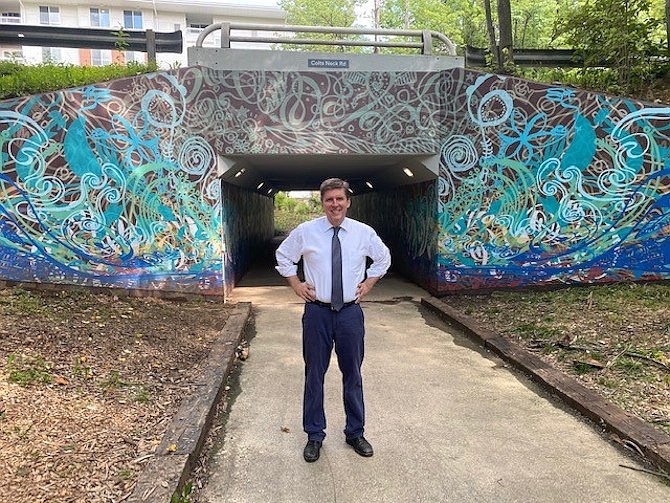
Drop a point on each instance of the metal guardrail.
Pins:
(475, 56)
(92, 38)
(425, 43)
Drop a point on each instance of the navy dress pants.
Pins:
(321, 330)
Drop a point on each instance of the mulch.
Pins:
(88, 386)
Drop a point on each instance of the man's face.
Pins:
(335, 205)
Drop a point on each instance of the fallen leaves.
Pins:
(85, 434)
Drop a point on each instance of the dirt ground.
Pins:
(88, 385)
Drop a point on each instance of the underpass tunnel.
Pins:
(380, 186)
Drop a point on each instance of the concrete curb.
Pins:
(168, 471)
(652, 443)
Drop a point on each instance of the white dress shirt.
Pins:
(312, 241)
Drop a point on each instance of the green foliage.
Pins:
(113, 381)
(617, 34)
(320, 13)
(20, 80)
(530, 28)
(25, 371)
(630, 365)
(582, 368)
(121, 43)
(21, 302)
(184, 496)
(291, 212)
(534, 330)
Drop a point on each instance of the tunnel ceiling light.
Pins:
(269, 191)
(408, 172)
(350, 190)
(260, 185)
(240, 172)
(369, 184)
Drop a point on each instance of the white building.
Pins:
(189, 16)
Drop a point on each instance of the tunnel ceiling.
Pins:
(270, 173)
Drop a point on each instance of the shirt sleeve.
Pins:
(289, 252)
(380, 255)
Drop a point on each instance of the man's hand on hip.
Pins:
(364, 288)
(302, 289)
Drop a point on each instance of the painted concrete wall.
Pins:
(406, 220)
(248, 227)
(549, 185)
(116, 185)
(109, 185)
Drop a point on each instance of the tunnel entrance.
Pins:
(251, 182)
(267, 174)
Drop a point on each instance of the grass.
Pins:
(17, 79)
(113, 381)
(26, 371)
(533, 330)
(141, 395)
(18, 301)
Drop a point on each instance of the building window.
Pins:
(10, 17)
(101, 57)
(132, 19)
(49, 15)
(51, 55)
(100, 18)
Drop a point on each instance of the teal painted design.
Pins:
(543, 185)
(109, 187)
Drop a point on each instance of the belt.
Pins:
(329, 306)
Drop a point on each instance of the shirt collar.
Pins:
(325, 224)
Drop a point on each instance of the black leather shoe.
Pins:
(311, 452)
(361, 446)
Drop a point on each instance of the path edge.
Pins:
(182, 444)
(654, 445)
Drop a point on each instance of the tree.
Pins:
(614, 33)
(460, 20)
(490, 31)
(505, 29)
(332, 13)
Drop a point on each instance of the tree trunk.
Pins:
(490, 30)
(505, 27)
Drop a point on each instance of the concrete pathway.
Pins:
(448, 423)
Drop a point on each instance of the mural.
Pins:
(248, 227)
(116, 185)
(317, 113)
(108, 186)
(544, 185)
(405, 219)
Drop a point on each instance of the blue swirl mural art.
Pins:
(109, 187)
(117, 185)
(543, 185)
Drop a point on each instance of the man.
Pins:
(334, 249)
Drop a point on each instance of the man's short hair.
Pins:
(334, 183)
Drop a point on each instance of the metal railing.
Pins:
(147, 41)
(424, 43)
(475, 56)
